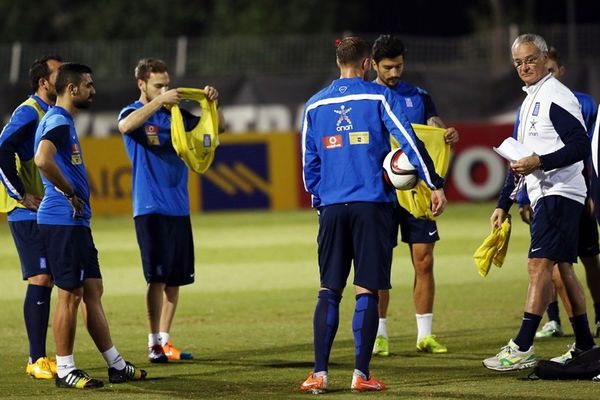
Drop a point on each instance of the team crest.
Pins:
(536, 109)
(152, 135)
(75, 154)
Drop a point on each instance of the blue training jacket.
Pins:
(345, 137)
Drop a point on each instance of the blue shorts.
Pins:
(167, 248)
(71, 253)
(555, 229)
(31, 249)
(356, 231)
(416, 230)
(588, 235)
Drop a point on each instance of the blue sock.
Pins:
(526, 334)
(364, 326)
(583, 336)
(597, 312)
(553, 313)
(325, 325)
(36, 310)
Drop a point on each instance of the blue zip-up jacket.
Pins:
(345, 137)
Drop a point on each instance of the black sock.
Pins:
(583, 337)
(36, 310)
(597, 312)
(526, 334)
(553, 313)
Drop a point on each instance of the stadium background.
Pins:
(265, 72)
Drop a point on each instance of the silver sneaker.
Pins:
(511, 359)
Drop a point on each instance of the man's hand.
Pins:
(525, 212)
(438, 202)
(31, 201)
(526, 165)
(498, 217)
(451, 136)
(170, 97)
(78, 205)
(211, 93)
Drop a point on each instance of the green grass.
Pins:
(248, 318)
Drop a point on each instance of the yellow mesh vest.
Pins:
(28, 172)
(418, 200)
(197, 147)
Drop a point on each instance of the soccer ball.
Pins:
(398, 171)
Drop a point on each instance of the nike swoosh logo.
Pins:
(39, 303)
(536, 249)
(432, 233)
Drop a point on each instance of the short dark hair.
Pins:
(147, 66)
(387, 46)
(39, 69)
(70, 73)
(351, 50)
(554, 55)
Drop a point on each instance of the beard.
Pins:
(83, 104)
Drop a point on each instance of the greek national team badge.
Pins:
(408, 102)
(359, 137)
(332, 142)
(536, 109)
(75, 154)
(152, 134)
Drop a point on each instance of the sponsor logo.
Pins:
(432, 233)
(343, 89)
(536, 249)
(332, 142)
(343, 118)
(39, 303)
(536, 109)
(152, 134)
(532, 130)
(359, 137)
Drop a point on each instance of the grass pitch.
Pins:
(248, 317)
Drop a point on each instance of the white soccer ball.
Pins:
(398, 171)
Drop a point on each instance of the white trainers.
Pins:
(550, 329)
(568, 356)
(511, 359)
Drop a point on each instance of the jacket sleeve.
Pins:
(19, 129)
(399, 126)
(311, 161)
(572, 134)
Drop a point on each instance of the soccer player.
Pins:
(588, 248)
(345, 137)
(20, 197)
(64, 223)
(419, 233)
(161, 208)
(550, 125)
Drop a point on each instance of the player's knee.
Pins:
(40, 280)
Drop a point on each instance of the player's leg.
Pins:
(372, 225)
(36, 305)
(150, 237)
(553, 328)
(178, 256)
(381, 346)
(589, 251)
(334, 259)
(592, 277)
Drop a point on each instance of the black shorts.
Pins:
(167, 248)
(356, 231)
(416, 230)
(31, 248)
(71, 254)
(588, 235)
(555, 229)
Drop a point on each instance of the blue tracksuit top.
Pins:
(345, 137)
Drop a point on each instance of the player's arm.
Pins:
(44, 160)
(138, 117)
(311, 162)
(451, 135)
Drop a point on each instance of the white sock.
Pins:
(358, 372)
(113, 358)
(382, 328)
(320, 373)
(164, 338)
(64, 365)
(423, 325)
(153, 338)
